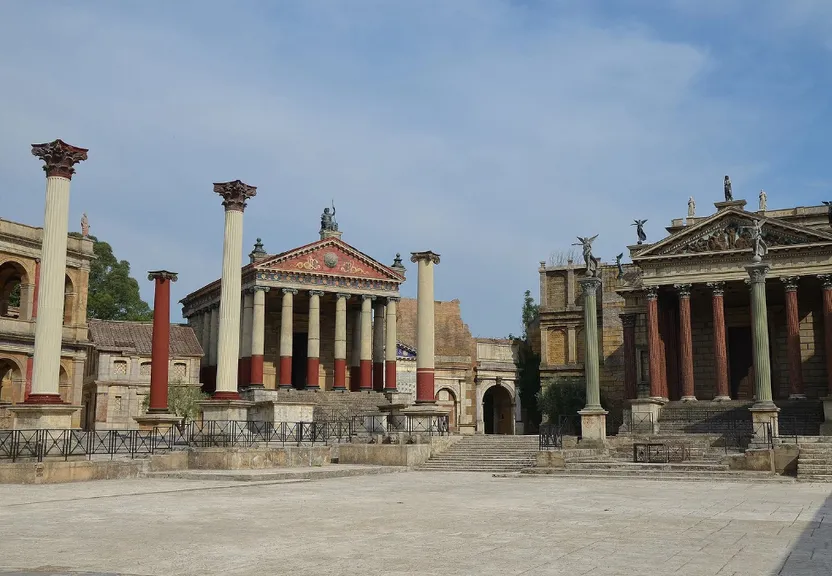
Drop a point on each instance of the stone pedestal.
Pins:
(645, 413)
(762, 414)
(276, 412)
(826, 427)
(236, 410)
(593, 427)
(162, 421)
(48, 416)
(420, 417)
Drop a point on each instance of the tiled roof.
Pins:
(136, 337)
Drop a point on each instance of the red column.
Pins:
(630, 386)
(160, 347)
(37, 290)
(654, 343)
(340, 382)
(390, 376)
(720, 350)
(793, 338)
(256, 370)
(366, 375)
(686, 342)
(827, 326)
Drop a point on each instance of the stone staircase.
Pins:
(688, 471)
(486, 453)
(814, 463)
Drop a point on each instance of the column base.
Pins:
(44, 399)
(722, 399)
(340, 379)
(593, 427)
(355, 378)
(425, 383)
(225, 396)
(236, 410)
(366, 375)
(689, 399)
(378, 376)
(161, 421)
(761, 415)
(43, 416)
(797, 396)
(390, 377)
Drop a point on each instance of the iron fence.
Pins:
(46, 443)
(660, 452)
(550, 437)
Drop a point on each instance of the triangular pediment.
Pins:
(729, 231)
(332, 257)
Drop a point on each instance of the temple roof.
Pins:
(137, 337)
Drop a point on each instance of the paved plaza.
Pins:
(414, 523)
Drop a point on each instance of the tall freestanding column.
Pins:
(286, 334)
(793, 338)
(59, 160)
(654, 344)
(826, 281)
(720, 348)
(160, 345)
(366, 352)
(593, 416)
(258, 335)
(686, 343)
(378, 346)
(313, 348)
(234, 194)
(764, 410)
(390, 346)
(340, 382)
(245, 342)
(628, 322)
(425, 336)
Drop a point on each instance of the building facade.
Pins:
(20, 251)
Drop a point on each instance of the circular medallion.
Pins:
(330, 259)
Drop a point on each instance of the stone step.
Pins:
(815, 478)
(639, 466)
(732, 476)
(433, 466)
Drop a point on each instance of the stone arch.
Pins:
(69, 301)
(12, 380)
(64, 384)
(496, 401)
(446, 399)
(15, 284)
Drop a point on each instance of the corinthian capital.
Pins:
(429, 255)
(235, 194)
(59, 158)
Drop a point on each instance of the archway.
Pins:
(13, 279)
(497, 413)
(12, 382)
(69, 301)
(446, 400)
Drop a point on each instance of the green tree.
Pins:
(113, 294)
(564, 396)
(183, 400)
(528, 363)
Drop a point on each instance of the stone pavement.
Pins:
(416, 523)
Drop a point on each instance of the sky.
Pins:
(492, 132)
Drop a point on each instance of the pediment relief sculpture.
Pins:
(736, 234)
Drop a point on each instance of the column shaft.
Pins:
(160, 345)
(425, 336)
(340, 342)
(762, 361)
(378, 346)
(654, 342)
(313, 347)
(827, 328)
(286, 334)
(36, 295)
(366, 357)
(793, 339)
(355, 353)
(591, 363)
(258, 335)
(245, 342)
(686, 342)
(228, 339)
(49, 326)
(390, 346)
(630, 385)
(720, 348)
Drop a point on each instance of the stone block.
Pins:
(233, 410)
(593, 427)
(550, 459)
(43, 416)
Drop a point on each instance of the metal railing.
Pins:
(47, 443)
(550, 437)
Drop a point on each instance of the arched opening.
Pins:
(69, 301)
(13, 282)
(446, 400)
(496, 410)
(12, 382)
(64, 386)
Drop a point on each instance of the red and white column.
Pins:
(286, 334)
(340, 382)
(654, 345)
(160, 345)
(793, 338)
(234, 194)
(425, 336)
(313, 349)
(826, 280)
(59, 160)
(720, 348)
(378, 346)
(390, 347)
(258, 335)
(628, 322)
(686, 343)
(366, 346)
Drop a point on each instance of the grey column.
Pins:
(759, 316)
(593, 390)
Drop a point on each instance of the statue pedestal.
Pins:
(43, 416)
(227, 410)
(763, 415)
(645, 415)
(593, 427)
(730, 204)
(161, 421)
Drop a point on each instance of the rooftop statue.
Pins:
(85, 225)
(590, 261)
(729, 195)
(691, 207)
(618, 263)
(328, 220)
(763, 200)
(639, 224)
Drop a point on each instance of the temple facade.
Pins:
(678, 324)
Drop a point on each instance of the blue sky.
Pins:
(492, 132)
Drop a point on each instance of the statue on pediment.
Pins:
(620, 267)
(758, 245)
(729, 195)
(691, 207)
(639, 224)
(590, 261)
(328, 220)
(763, 201)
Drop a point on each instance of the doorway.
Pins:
(496, 410)
(740, 363)
(299, 355)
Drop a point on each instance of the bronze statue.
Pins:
(590, 261)
(328, 220)
(620, 268)
(639, 224)
(729, 195)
